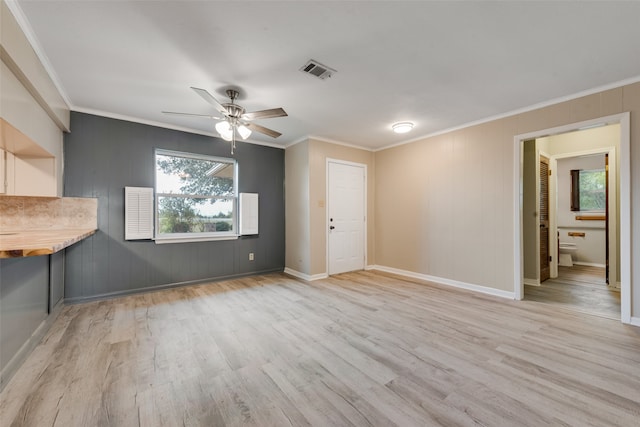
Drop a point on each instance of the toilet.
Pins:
(565, 257)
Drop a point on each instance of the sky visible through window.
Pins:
(174, 183)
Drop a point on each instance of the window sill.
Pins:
(190, 239)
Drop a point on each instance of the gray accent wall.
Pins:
(104, 155)
(24, 298)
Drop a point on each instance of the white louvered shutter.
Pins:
(138, 213)
(248, 217)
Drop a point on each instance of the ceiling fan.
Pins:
(234, 119)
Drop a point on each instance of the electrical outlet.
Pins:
(250, 256)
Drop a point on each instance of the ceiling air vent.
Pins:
(317, 69)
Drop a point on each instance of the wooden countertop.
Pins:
(16, 244)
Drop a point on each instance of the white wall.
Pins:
(31, 109)
(591, 247)
(20, 109)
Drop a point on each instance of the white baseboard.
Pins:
(614, 286)
(635, 321)
(589, 264)
(531, 282)
(448, 282)
(303, 276)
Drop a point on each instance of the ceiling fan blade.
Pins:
(257, 128)
(210, 99)
(191, 114)
(265, 114)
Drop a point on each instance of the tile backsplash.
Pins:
(43, 213)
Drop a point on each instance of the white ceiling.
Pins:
(440, 65)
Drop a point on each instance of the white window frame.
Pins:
(161, 238)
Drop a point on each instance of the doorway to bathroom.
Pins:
(580, 190)
(584, 241)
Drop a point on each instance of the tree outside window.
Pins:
(588, 190)
(196, 194)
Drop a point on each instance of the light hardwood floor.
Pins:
(356, 349)
(581, 288)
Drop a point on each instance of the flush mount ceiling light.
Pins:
(402, 127)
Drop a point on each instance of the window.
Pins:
(588, 190)
(195, 196)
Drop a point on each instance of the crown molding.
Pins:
(512, 113)
(154, 123)
(28, 32)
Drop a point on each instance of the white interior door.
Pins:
(346, 220)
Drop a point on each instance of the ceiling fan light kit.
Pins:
(235, 120)
(402, 127)
(225, 130)
(244, 131)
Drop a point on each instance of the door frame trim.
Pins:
(623, 119)
(365, 203)
(613, 211)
